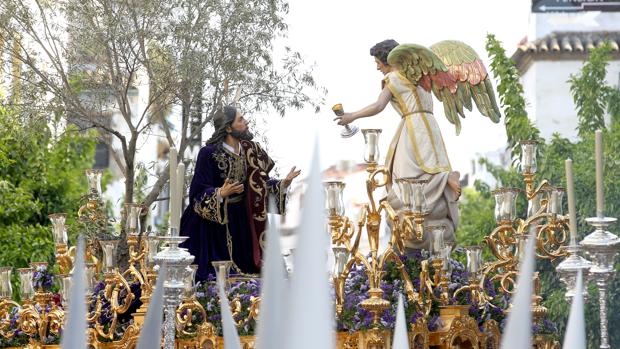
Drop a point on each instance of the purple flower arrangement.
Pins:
(42, 279)
(242, 291)
(354, 317)
(18, 338)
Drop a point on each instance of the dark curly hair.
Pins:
(222, 119)
(382, 49)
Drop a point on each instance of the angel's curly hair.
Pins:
(382, 49)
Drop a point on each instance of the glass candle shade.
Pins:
(505, 204)
(412, 194)
(132, 212)
(555, 196)
(6, 291)
(534, 204)
(190, 280)
(90, 277)
(109, 254)
(26, 289)
(437, 244)
(65, 282)
(371, 149)
(528, 157)
(333, 198)
(59, 230)
(152, 243)
(94, 181)
(222, 270)
(341, 257)
(474, 260)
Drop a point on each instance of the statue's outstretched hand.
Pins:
(290, 176)
(344, 119)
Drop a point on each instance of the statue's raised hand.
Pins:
(289, 178)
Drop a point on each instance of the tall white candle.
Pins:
(600, 198)
(179, 195)
(570, 189)
(173, 186)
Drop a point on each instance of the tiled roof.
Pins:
(564, 44)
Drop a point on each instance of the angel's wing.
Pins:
(455, 74)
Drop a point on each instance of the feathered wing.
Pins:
(455, 74)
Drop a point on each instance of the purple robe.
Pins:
(218, 228)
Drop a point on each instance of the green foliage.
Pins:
(39, 174)
(518, 126)
(477, 211)
(593, 98)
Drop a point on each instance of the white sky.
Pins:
(337, 34)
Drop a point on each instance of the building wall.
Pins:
(547, 91)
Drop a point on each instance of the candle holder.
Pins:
(474, 267)
(6, 291)
(341, 256)
(528, 156)
(109, 255)
(555, 196)
(415, 208)
(602, 246)
(132, 214)
(146, 275)
(505, 205)
(371, 152)
(189, 305)
(343, 232)
(59, 232)
(222, 271)
(349, 130)
(333, 199)
(26, 288)
(177, 260)
(94, 182)
(64, 289)
(569, 268)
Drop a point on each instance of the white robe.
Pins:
(417, 150)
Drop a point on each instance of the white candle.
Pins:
(527, 160)
(179, 195)
(332, 201)
(109, 256)
(418, 196)
(600, 199)
(406, 194)
(132, 222)
(553, 202)
(505, 209)
(570, 189)
(173, 186)
(372, 144)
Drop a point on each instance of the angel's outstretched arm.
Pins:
(371, 110)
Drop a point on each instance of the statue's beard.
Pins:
(244, 136)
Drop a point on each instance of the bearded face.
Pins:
(242, 135)
(239, 128)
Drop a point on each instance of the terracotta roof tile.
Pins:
(563, 44)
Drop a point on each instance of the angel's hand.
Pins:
(345, 119)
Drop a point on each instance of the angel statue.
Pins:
(455, 74)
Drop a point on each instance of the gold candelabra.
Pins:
(407, 224)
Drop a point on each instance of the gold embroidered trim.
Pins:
(210, 208)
